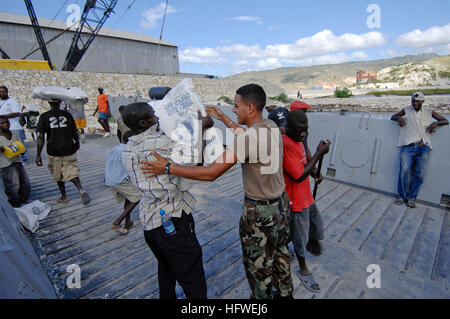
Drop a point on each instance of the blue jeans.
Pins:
(22, 136)
(413, 164)
(17, 184)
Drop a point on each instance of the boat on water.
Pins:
(363, 228)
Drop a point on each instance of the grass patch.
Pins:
(226, 99)
(281, 98)
(444, 74)
(409, 92)
(343, 93)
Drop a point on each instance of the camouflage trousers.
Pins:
(264, 233)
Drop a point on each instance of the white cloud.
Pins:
(326, 42)
(322, 48)
(256, 20)
(432, 40)
(201, 56)
(152, 16)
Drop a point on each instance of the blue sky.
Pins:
(230, 36)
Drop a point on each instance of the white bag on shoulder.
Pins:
(178, 118)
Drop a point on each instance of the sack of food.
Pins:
(178, 117)
(54, 93)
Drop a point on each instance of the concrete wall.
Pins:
(22, 82)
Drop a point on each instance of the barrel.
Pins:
(158, 92)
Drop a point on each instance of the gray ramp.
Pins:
(363, 227)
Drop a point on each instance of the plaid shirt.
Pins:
(164, 191)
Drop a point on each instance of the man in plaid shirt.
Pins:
(179, 256)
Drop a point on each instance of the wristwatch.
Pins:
(167, 168)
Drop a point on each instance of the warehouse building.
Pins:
(111, 51)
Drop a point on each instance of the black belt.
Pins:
(262, 202)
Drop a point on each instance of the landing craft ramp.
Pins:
(363, 227)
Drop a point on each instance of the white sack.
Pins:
(177, 112)
(30, 214)
(31, 107)
(57, 93)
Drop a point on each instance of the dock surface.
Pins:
(411, 247)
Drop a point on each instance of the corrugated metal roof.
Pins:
(61, 25)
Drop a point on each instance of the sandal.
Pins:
(411, 204)
(308, 282)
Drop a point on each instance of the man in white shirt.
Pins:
(11, 109)
(416, 125)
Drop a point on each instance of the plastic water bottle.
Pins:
(167, 224)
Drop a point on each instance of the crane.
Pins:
(94, 15)
(37, 31)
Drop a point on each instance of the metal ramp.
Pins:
(411, 246)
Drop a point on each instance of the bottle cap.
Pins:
(162, 212)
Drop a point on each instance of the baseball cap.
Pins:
(299, 105)
(279, 116)
(418, 96)
(100, 88)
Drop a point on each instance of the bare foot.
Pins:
(119, 229)
(131, 225)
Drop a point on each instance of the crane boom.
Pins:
(94, 16)
(37, 31)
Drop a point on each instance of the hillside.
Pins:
(344, 74)
(434, 72)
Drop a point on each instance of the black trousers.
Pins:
(179, 259)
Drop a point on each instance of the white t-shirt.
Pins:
(11, 106)
(416, 124)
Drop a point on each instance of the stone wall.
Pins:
(22, 82)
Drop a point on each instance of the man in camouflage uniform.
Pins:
(264, 233)
(264, 225)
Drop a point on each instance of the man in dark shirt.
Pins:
(62, 146)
